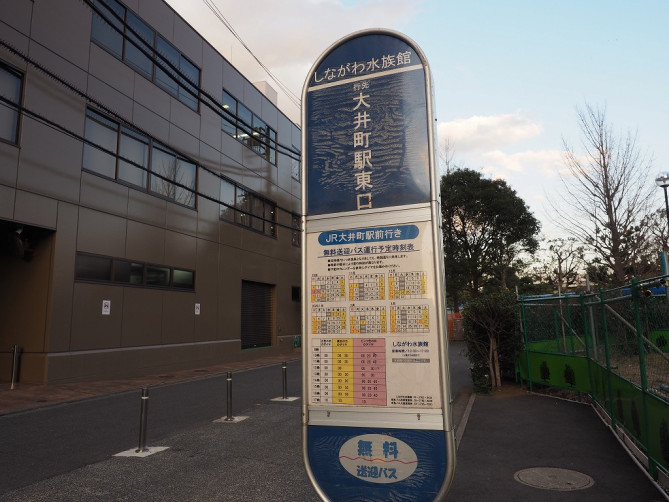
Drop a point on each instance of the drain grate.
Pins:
(553, 478)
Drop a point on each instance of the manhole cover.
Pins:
(553, 478)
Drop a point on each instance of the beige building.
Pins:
(149, 196)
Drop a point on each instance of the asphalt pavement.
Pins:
(61, 443)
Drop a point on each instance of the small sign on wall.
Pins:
(197, 309)
(106, 307)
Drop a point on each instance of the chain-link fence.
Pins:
(612, 345)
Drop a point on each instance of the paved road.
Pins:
(50, 441)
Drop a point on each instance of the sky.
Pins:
(508, 75)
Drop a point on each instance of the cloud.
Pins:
(545, 163)
(479, 133)
(288, 36)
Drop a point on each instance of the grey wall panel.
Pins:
(7, 196)
(207, 290)
(145, 243)
(104, 194)
(158, 15)
(17, 20)
(62, 284)
(35, 209)
(178, 317)
(229, 299)
(63, 27)
(91, 329)
(9, 160)
(106, 68)
(50, 162)
(142, 317)
(113, 99)
(151, 97)
(181, 219)
(188, 41)
(101, 233)
(184, 132)
(147, 208)
(180, 250)
(208, 220)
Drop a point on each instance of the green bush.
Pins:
(491, 323)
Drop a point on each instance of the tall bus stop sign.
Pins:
(376, 413)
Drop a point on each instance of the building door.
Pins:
(257, 314)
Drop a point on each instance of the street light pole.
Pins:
(662, 180)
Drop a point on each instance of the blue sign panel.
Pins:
(367, 137)
(373, 464)
(377, 422)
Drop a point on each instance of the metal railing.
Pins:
(613, 346)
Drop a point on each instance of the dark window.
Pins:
(105, 269)
(247, 209)
(240, 122)
(125, 35)
(173, 176)
(229, 114)
(183, 279)
(10, 89)
(170, 174)
(93, 268)
(104, 25)
(157, 276)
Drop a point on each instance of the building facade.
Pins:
(149, 197)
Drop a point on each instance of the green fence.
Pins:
(613, 346)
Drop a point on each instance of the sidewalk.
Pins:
(506, 440)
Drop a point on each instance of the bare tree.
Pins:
(565, 264)
(607, 195)
(446, 153)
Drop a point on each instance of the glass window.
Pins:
(295, 165)
(245, 119)
(157, 276)
(171, 169)
(134, 147)
(93, 268)
(135, 47)
(242, 203)
(164, 78)
(10, 88)
(259, 140)
(108, 32)
(188, 93)
(271, 148)
(183, 279)
(102, 132)
(229, 105)
(269, 226)
(228, 201)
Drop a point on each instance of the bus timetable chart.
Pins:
(330, 288)
(407, 285)
(409, 318)
(366, 287)
(372, 320)
(348, 371)
(328, 321)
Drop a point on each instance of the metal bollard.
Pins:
(142, 420)
(15, 366)
(285, 381)
(229, 382)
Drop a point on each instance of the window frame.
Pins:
(148, 173)
(247, 208)
(113, 279)
(157, 60)
(14, 111)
